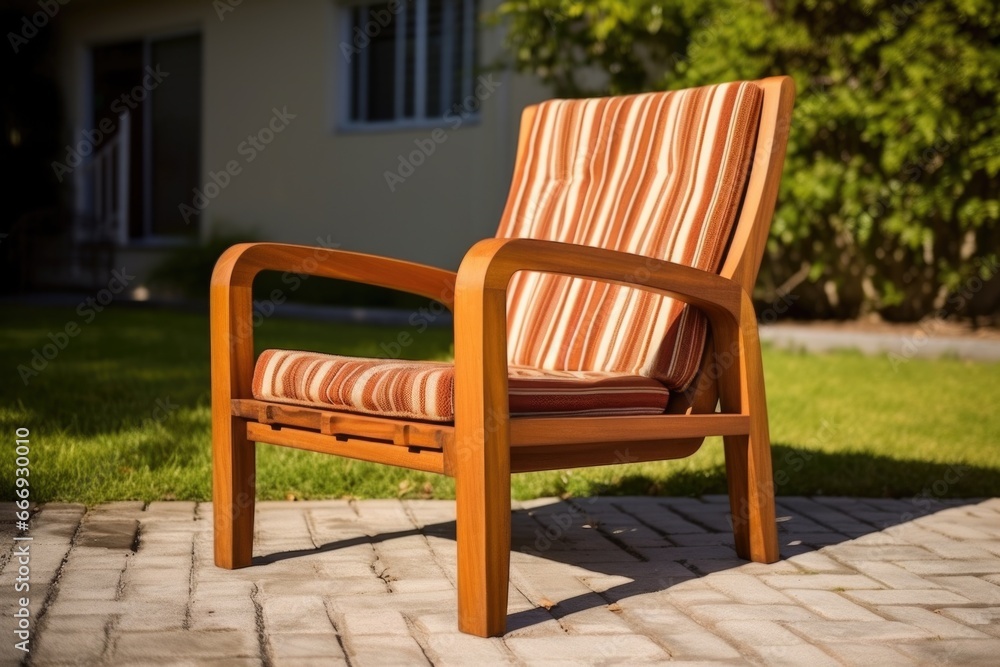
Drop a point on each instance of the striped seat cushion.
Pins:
(425, 389)
(660, 175)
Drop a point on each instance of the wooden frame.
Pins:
(484, 446)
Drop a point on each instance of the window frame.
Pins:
(344, 89)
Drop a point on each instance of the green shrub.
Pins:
(889, 201)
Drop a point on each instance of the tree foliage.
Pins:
(890, 199)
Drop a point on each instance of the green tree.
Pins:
(890, 200)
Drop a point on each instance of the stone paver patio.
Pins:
(594, 581)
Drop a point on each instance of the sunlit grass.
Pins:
(123, 413)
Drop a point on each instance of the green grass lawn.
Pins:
(123, 413)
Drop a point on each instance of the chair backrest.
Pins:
(658, 174)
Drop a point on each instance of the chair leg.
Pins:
(751, 496)
(482, 493)
(748, 457)
(233, 491)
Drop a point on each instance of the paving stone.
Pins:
(907, 597)
(816, 562)
(307, 662)
(173, 508)
(794, 522)
(534, 622)
(859, 631)
(376, 650)
(676, 526)
(343, 569)
(986, 619)
(893, 576)
(818, 539)
(112, 534)
(70, 647)
(883, 520)
(547, 581)
(889, 552)
(417, 585)
(952, 526)
(75, 607)
(459, 649)
(106, 561)
(50, 530)
(988, 566)
(936, 624)
(333, 586)
(57, 623)
(746, 589)
(89, 585)
(696, 644)
(965, 550)
(831, 605)
(668, 553)
(760, 633)
(993, 546)
(117, 509)
(693, 596)
(780, 567)
(148, 646)
(712, 613)
(928, 585)
(945, 546)
(619, 649)
(373, 623)
(294, 614)
(165, 545)
(844, 504)
(405, 602)
(877, 538)
(889, 504)
(834, 518)
(212, 662)
(287, 646)
(827, 582)
(954, 652)
(701, 539)
(974, 588)
(436, 622)
(612, 556)
(868, 654)
(222, 614)
(145, 615)
(602, 582)
(214, 590)
(794, 656)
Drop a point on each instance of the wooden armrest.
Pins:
(489, 265)
(481, 303)
(238, 266)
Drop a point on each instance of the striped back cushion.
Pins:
(658, 174)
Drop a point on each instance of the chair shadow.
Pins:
(659, 542)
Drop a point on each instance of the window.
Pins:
(406, 62)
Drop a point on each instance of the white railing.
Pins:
(103, 192)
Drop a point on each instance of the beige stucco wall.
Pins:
(313, 180)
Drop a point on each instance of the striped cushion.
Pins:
(658, 174)
(425, 389)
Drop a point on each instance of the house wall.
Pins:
(312, 180)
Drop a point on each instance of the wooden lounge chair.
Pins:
(610, 318)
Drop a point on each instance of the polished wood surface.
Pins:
(484, 446)
(416, 458)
